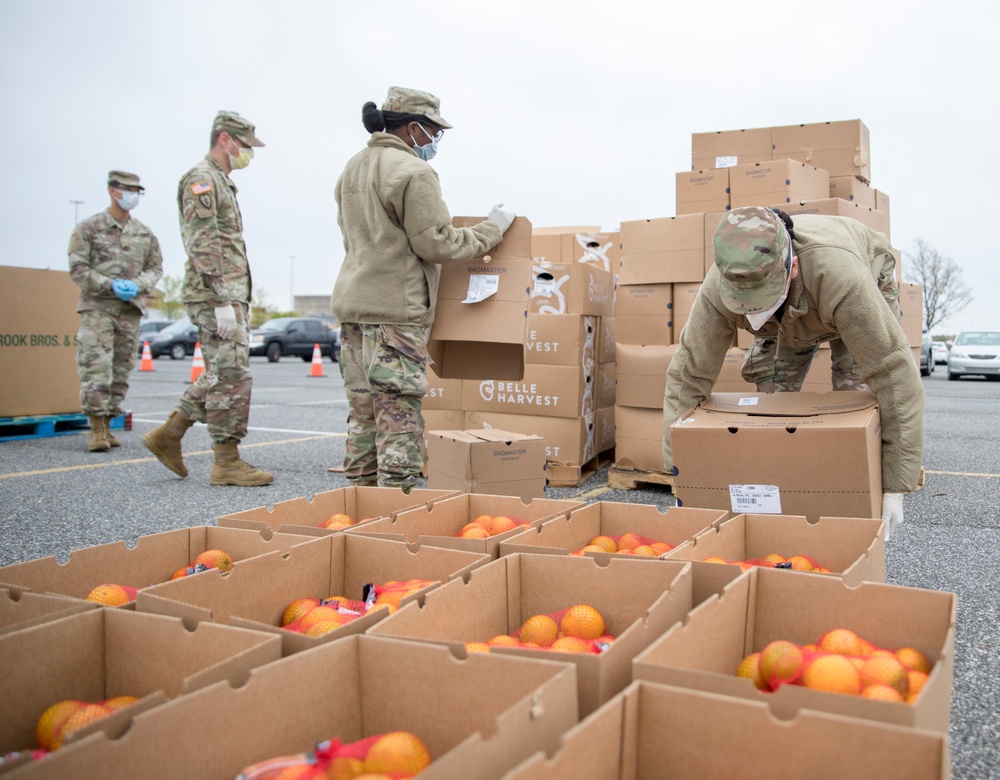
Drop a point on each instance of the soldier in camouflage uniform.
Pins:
(116, 262)
(216, 295)
(397, 233)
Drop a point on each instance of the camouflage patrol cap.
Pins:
(753, 253)
(413, 101)
(125, 179)
(237, 127)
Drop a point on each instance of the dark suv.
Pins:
(295, 336)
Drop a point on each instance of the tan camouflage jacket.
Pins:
(217, 270)
(833, 296)
(397, 231)
(102, 250)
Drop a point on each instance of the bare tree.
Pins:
(170, 296)
(945, 293)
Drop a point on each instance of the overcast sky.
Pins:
(572, 113)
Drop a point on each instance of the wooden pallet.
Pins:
(627, 478)
(45, 425)
(569, 475)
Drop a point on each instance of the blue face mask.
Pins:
(427, 151)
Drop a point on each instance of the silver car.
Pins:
(975, 352)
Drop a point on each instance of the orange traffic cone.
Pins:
(198, 364)
(317, 363)
(147, 358)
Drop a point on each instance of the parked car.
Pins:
(940, 353)
(153, 326)
(975, 352)
(177, 340)
(295, 336)
(926, 356)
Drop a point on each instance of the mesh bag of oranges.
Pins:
(396, 754)
(629, 543)
(111, 594)
(315, 617)
(64, 717)
(840, 662)
(338, 520)
(577, 629)
(485, 526)
(775, 561)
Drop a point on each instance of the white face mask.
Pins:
(242, 159)
(128, 200)
(427, 151)
(758, 320)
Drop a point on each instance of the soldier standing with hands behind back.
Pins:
(216, 295)
(115, 261)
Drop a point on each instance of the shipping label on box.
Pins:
(842, 148)
(853, 189)
(727, 148)
(441, 393)
(876, 220)
(778, 181)
(812, 454)
(562, 340)
(572, 288)
(481, 321)
(503, 463)
(567, 440)
(704, 190)
(668, 249)
(547, 391)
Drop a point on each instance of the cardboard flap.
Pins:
(804, 404)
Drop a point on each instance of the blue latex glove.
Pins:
(124, 289)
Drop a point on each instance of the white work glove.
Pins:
(501, 217)
(225, 322)
(892, 512)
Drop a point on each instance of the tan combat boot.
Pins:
(98, 441)
(165, 442)
(230, 469)
(108, 435)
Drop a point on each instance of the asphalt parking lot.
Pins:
(57, 497)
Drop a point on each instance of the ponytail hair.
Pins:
(789, 225)
(376, 120)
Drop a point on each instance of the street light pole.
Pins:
(291, 283)
(76, 211)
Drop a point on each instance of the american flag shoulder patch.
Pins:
(201, 187)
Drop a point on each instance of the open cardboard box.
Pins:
(639, 599)
(570, 533)
(303, 515)
(152, 561)
(103, 653)
(567, 439)
(763, 605)
(256, 593)
(812, 454)
(20, 608)
(853, 548)
(478, 716)
(656, 731)
(439, 525)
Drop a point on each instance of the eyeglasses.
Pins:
(127, 188)
(436, 136)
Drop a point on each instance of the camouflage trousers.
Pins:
(220, 396)
(385, 377)
(105, 355)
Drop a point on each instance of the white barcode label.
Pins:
(761, 499)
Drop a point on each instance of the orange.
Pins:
(503, 640)
(913, 660)
(841, 640)
(476, 532)
(646, 551)
(881, 692)
(800, 563)
(181, 572)
(540, 630)
(337, 520)
(484, 520)
(318, 615)
(345, 768)
(501, 525)
(215, 559)
(715, 559)
(629, 541)
(661, 547)
(390, 608)
(297, 609)
(583, 621)
(917, 682)
(882, 670)
(397, 752)
(322, 627)
(111, 595)
(51, 721)
(119, 702)
(832, 673)
(477, 647)
(596, 548)
(606, 543)
(570, 644)
(773, 558)
(750, 668)
(867, 648)
(780, 662)
(82, 716)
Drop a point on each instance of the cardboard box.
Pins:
(853, 189)
(151, 561)
(876, 220)
(257, 594)
(911, 303)
(303, 515)
(562, 340)
(853, 548)
(577, 245)
(103, 653)
(638, 599)
(730, 147)
(731, 376)
(38, 327)
(704, 190)
(842, 148)
(489, 713)
(441, 393)
(605, 429)
(573, 531)
(668, 249)
(642, 375)
(606, 340)
(712, 221)
(480, 325)
(882, 201)
(438, 526)
(567, 439)
(768, 604)
(644, 314)
(480, 461)
(20, 608)
(625, 738)
(777, 181)
(683, 295)
(573, 288)
(639, 438)
(606, 384)
(549, 391)
(812, 454)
